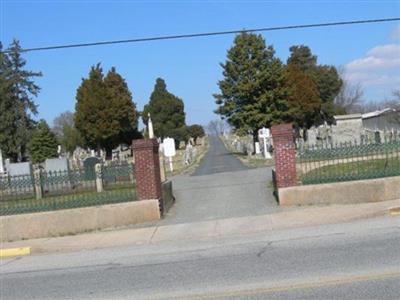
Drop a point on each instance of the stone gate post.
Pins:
(147, 169)
(285, 155)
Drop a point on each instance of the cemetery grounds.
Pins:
(242, 148)
(70, 188)
(186, 160)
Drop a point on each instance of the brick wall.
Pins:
(285, 155)
(147, 169)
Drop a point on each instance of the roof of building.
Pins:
(347, 117)
(377, 113)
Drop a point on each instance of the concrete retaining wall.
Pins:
(77, 220)
(373, 190)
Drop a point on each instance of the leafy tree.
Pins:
(253, 92)
(17, 106)
(43, 143)
(66, 132)
(179, 135)
(105, 113)
(166, 110)
(325, 77)
(195, 131)
(304, 100)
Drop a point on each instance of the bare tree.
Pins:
(350, 95)
(64, 119)
(217, 127)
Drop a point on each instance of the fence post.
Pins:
(285, 155)
(99, 178)
(38, 184)
(162, 168)
(147, 169)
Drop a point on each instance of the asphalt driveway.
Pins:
(221, 187)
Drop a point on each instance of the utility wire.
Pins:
(194, 35)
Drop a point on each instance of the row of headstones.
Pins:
(319, 136)
(50, 165)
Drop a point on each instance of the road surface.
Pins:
(221, 187)
(359, 260)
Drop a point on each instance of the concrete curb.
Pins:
(231, 227)
(15, 252)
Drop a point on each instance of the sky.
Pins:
(369, 54)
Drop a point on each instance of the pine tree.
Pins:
(122, 108)
(253, 93)
(17, 91)
(196, 131)
(167, 112)
(304, 101)
(105, 113)
(325, 77)
(43, 144)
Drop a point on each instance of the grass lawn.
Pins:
(82, 199)
(353, 171)
(179, 163)
(252, 161)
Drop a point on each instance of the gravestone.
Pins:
(56, 164)
(1, 163)
(17, 169)
(89, 167)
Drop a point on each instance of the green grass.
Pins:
(83, 199)
(353, 171)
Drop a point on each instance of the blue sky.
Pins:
(370, 53)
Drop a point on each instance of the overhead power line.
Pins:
(194, 35)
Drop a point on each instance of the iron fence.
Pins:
(67, 189)
(348, 161)
(67, 201)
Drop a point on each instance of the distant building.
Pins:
(382, 120)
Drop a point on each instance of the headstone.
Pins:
(1, 163)
(169, 147)
(56, 164)
(89, 167)
(258, 151)
(17, 169)
(312, 136)
(150, 127)
(169, 151)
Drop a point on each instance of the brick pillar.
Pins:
(147, 169)
(285, 155)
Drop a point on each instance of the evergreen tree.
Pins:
(105, 113)
(17, 91)
(43, 143)
(167, 112)
(304, 101)
(196, 131)
(325, 77)
(253, 93)
(123, 109)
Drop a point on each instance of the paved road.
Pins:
(359, 260)
(218, 160)
(221, 187)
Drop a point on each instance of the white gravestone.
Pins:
(265, 135)
(56, 164)
(258, 151)
(1, 163)
(17, 169)
(169, 150)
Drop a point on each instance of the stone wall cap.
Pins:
(144, 144)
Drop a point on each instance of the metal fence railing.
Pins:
(348, 161)
(67, 189)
